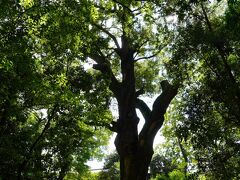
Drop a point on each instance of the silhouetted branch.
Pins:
(156, 118)
(108, 33)
(144, 109)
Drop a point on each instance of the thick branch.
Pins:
(104, 66)
(108, 33)
(100, 59)
(162, 102)
(156, 118)
(114, 84)
(143, 107)
(140, 92)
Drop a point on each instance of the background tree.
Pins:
(111, 168)
(205, 59)
(161, 165)
(44, 106)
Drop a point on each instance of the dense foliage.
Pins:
(54, 107)
(204, 59)
(46, 101)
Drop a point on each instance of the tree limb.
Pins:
(108, 33)
(104, 66)
(156, 118)
(23, 165)
(147, 57)
(151, 56)
(162, 102)
(140, 92)
(98, 58)
(144, 109)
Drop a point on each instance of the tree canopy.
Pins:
(47, 100)
(64, 62)
(205, 60)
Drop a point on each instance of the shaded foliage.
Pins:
(44, 106)
(205, 61)
(53, 107)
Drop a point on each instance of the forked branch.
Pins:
(144, 109)
(156, 118)
(162, 102)
(108, 33)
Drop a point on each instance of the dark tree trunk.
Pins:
(23, 165)
(135, 149)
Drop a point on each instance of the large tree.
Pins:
(45, 46)
(126, 29)
(123, 40)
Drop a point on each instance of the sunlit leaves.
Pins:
(27, 3)
(111, 168)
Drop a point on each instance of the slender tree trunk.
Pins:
(184, 154)
(23, 165)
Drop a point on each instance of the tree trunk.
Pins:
(135, 166)
(135, 149)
